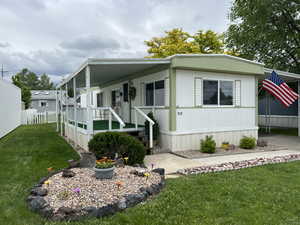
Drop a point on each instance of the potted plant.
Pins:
(104, 168)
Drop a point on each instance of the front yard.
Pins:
(261, 195)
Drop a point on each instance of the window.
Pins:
(125, 92)
(210, 92)
(226, 93)
(43, 104)
(155, 93)
(99, 99)
(217, 92)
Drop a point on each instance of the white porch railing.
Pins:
(151, 123)
(100, 114)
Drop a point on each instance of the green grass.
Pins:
(261, 195)
(282, 131)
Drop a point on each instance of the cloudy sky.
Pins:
(56, 36)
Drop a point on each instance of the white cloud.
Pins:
(56, 36)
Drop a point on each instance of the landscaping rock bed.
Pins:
(239, 164)
(197, 154)
(75, 193)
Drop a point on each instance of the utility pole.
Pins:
(3, 71)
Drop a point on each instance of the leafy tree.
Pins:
(267, 31)
(177, 41)
(25, 91)
(44, 83)
(28, 79)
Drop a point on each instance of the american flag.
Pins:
(277, 87)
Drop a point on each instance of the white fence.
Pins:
(278, 121)
(31, 116)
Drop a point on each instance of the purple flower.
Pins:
(77, 190)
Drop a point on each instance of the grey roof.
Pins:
(43, 94)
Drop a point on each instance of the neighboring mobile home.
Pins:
(43, 100)
(10, 107)
(191, 96)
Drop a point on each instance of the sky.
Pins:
(56, 36)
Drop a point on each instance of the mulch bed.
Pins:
(196, 154)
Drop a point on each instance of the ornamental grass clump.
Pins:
(104, 163)
(248, 142)
(208, 145)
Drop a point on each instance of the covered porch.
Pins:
(79, 122)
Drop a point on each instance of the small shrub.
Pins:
(155, 127)
(208, 145)
(248, 142)
(109, 143)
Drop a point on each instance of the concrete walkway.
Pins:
(172, 163)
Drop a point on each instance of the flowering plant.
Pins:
(104, 163)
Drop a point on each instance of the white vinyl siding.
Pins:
(167, 91)
(198, 91)
(237, 93)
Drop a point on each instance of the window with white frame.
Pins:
(43, 103)
(155, 93)
(217, 92)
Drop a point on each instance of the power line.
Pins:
(3, 71)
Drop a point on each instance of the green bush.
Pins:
(208, 145)
(155, 127)
(109, 143)
(248, 142)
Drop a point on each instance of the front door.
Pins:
(116, 101)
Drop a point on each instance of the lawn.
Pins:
(261, 195)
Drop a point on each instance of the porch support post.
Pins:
(298, 108)
(61, 111)
(67, 109)
(88, 102)
(56, 109)
(75, 112)
(172, 96)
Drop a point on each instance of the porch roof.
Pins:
(286, 76)
(103, 71)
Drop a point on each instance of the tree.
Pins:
(177, 41)
(33, 82)
(267, 31)
(44, 83)
(25, 91)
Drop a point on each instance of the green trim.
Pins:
(218, 64)
(217, 71)
(172, 101)
(139, 74)
(256, 101)
(215, 107)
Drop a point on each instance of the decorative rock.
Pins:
(107, 210)
(122, 204)
(138, 173)
(261, 142)
(68, 173)
(37, 204)
(39, 191)
(65, 210)
(47, 211)
(160, 171)
(73, 163)
(239, 164)
(119, 162)
(91, 211)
